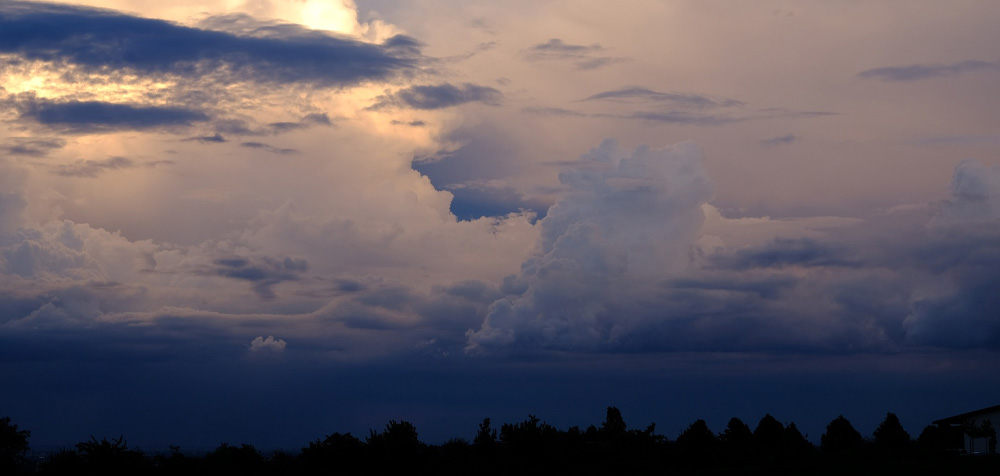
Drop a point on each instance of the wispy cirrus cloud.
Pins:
(685, 100)
(779, 140)
(94, 168)
(583, 57)
(32, 147)
(919, 72)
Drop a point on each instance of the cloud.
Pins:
(268, 344)
(629, 217)
(553, 111)
(961, 139)
(975, 194)
(583, 57)
(97, 39)
(681, 100)
(32, 147)
(920, 72)
(779, 141)
(215, 138)
(97, 116)
(93, 168)
(679, 117)
(264, 272)
(308, 121)
(438, 97)
(268, 148)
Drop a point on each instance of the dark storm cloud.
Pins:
(918, 72)
(439, 96)
(583, 57)
(39, 147)
(97, 40)
(779, 141)
(268, 148)
(684, 100)
(96, 116)
(263, 272)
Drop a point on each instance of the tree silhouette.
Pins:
(13, 446)
(486, 436)
(769, 432)
(841, 437)
(890, 437)
(397, 447)
(235, 460)
(340, 451)
(110, 457)
(697, 442)
(614, 426)
(737, 440)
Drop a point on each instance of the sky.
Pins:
(267, 221)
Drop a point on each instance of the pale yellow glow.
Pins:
(338, 16)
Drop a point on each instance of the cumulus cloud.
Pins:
(630, 217)
(919, 72)
(439, 96)
(268, 344)
(975, 193)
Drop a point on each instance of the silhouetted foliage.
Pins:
(937, 440)
(614, 426)
(235, 460)
(13, 447)
(737, 441)
(532, 447)
(841, 437)
(486, 435)
(794, 445)
(338, 450)
(697, 443)
(890, 438)
(104, 457)
(396, 447)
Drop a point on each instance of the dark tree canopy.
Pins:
(890, 435)
(841, 436)
(486, 435)
(13, 446)
(769, 432)
(614, 425)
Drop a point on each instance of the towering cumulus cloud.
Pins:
(628, 219)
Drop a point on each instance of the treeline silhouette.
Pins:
(535, 447)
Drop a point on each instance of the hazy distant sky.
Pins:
(265, 221)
